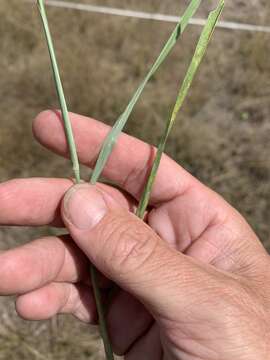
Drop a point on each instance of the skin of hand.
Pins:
(193, 280)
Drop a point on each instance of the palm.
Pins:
(189, 217)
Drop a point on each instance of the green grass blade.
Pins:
(76, 168)
(111, 139)
(60, 92)
(192, 70)
(122, 120)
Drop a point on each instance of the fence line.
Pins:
(229, 25)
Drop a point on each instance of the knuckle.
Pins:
(134, 177)
(70, 299)
(129, 244)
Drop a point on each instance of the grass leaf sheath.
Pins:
(191, 72)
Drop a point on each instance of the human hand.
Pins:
(193, 280)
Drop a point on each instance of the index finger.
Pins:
(130, 161)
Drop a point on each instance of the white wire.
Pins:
(150, 16)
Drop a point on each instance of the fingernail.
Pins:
(84, 207)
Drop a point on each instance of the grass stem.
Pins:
(60, 92)
(76, 168)
(101, 315)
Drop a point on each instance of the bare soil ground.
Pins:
(222, 135)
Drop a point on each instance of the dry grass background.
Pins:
(222, 136)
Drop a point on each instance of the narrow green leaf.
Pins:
(192, 70)
(75, 162)
(122, 120)
(60, 91)
(111, 139)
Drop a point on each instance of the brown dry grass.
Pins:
(222, 136)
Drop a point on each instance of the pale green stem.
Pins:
(101, 314)
(60, 92)
(76, 167)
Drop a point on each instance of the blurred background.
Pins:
(222, 135)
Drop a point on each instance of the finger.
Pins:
(128, 252)
(203, 226)
(127, 321)
(57, 298)
(41, 262)
(231, 246)
(35, 202)
(129, 163)
(148, 347)
(32, 202)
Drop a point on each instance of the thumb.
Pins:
(130, 253)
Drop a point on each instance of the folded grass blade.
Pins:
(122, 120)
(192, 70)
(60, 91)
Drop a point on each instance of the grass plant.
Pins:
(189, 77)
(111, 139)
